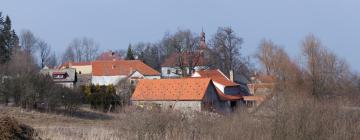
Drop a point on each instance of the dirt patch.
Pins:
(11, 129)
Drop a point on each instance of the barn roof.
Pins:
(121, 67)
(171, 89)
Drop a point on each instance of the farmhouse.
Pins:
(223, 84)
(110, 72)
(185, 94)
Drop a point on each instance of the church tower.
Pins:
(202, 40)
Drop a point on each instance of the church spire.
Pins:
(202, 39)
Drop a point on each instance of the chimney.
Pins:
(231, 75)
(70, 65)
(131, 70)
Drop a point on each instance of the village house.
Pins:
(224, 85)
(260, 88)
(184, 94)
(177, 65)
(65, 77)
(110, 72)
(83, 71)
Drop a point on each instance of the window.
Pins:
(168, 71)
(113, 66)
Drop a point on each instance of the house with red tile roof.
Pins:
(224, 85)
(185, 94)
(107, 72)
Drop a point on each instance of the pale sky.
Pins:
(115, 23)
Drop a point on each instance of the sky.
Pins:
(116, 23)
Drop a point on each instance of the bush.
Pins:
(102, 98)
(11, 129)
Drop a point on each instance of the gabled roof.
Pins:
(110, 55)
(171, 89)
(216, 76)
(173, 59)
(121, 67)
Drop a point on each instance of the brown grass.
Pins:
(289, 120)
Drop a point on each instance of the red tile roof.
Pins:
(121, 67)
(173, 59)
(217, 76)
(110, 55)
(171, 89)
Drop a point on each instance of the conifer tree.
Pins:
(130, 54)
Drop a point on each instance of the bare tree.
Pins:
(44, 52)
(226, 45)
(79, 50)
(28, 42)
(68, 55)
(323, 67)
(186, 47)
(52, 61)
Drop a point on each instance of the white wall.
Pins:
(178, 105)
(106, 80)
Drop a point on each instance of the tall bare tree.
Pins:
(28, 42)
(79, 50)
(44, 49)
(324, 68)
(186, 46)
(226, 45)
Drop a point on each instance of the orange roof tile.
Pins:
(121, 67)
(171, 89)
(217, 76)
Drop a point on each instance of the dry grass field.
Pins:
(294, 121)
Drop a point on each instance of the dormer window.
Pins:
(59, 75)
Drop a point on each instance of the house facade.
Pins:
(184, 94)
(65, 77)
(110, 72)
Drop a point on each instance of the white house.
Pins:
(110, 72)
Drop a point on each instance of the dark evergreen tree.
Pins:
(130, 54)
(8, 39)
